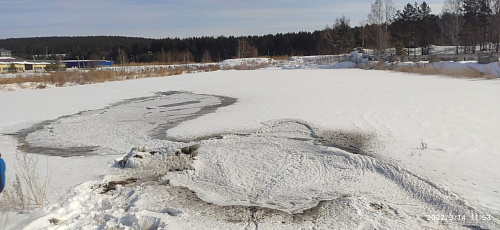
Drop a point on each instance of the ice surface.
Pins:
(120, 127)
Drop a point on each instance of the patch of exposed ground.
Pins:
(351, 141)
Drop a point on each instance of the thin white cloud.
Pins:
(176, 18)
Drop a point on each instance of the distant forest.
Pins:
(195, 49)
(473, 24)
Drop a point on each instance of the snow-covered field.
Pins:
(263, 162)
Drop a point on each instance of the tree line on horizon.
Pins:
(473, 25)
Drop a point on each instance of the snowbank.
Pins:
(252, 63)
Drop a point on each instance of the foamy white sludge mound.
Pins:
(283, 167)
(278, 177)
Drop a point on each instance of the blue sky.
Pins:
(177, 18)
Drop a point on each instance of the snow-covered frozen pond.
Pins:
(262, 162)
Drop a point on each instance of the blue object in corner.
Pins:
(2, 174)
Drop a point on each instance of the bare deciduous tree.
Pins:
(450, 28)
(380, 15)
(162, 56)
(245, 49)
(452, 21)
(121, 56)
(186, 57)
(496, 23)
(207, 57)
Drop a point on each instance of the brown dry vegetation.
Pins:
(379, 65)
(277, 58)
(61, 78)
(467, 72)
(152, 63)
